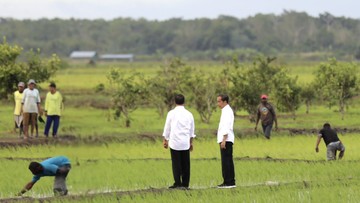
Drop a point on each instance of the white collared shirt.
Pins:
(226, 125)
(179, 128)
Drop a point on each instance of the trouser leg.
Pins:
(56, 120)
(60, 187)
(185, 167)
(267, 130)
(176, 166)
(49, 120)
(227, 164)
(330, 152)
(341, 148)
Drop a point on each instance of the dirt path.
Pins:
(246, 158)
(119, 193)
(69, 139)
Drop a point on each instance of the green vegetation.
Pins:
(291, 35)
(142, 165)
(111, 162)
(12, 71)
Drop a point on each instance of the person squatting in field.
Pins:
(179, 131)
(30, 107)
(226, 138)
(53, 108)
(18, 117)
(332, 142)
(267, 115)
(58, 166)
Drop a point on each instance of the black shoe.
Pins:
(226, 186)
(174, 187)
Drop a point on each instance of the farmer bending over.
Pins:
(332, 141)
(57, 166)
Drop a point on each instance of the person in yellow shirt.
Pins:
(18, 95)
(53, 108)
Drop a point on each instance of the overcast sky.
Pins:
(165, 9)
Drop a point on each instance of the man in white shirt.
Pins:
(225, 137)
(179, 132)
(30, 107)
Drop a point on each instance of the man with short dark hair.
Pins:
(226, 138)
(53, 108)
(332, 142)
(56, 166)
(267, 115)
(179, 131)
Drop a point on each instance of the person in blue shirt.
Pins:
(58, 166)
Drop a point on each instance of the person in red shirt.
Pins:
(267, 115)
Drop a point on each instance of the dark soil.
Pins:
(119, 194)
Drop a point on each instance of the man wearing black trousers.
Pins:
(225, 137)
(178, 135)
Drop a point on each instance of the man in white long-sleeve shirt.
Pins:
(225, 137)
(178, 135)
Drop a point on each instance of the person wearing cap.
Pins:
(332, 142)
(179, 131)
(18, 95)
(58, 166)
(267, 115)
(53, 108)
(30, 107)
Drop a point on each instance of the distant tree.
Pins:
(173, 78)
(128, 92)
(289, 32)
(248, 83)
(286, 92)
(308, 95)
(204, 92)
(337, 83)
(13, 71)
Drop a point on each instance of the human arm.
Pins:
(26, 188)
(46, 105)
(22, 103)
(275, 117)
(223, 142)
(167, 130)
(192, 133)
(39, 109)
(21, 109)
(191, 144)
(317, 143)
(62, 107)
(38, 102)
(257, 119)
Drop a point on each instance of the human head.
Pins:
(327, 126)
(52, 87)
(31, 84)
(179, 99)
(264, 98)
(21, 86)
(36, 168)
(222, 100)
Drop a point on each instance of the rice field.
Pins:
(112, 163)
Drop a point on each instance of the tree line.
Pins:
(202, 38)
(33, 66)
(336, 84)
